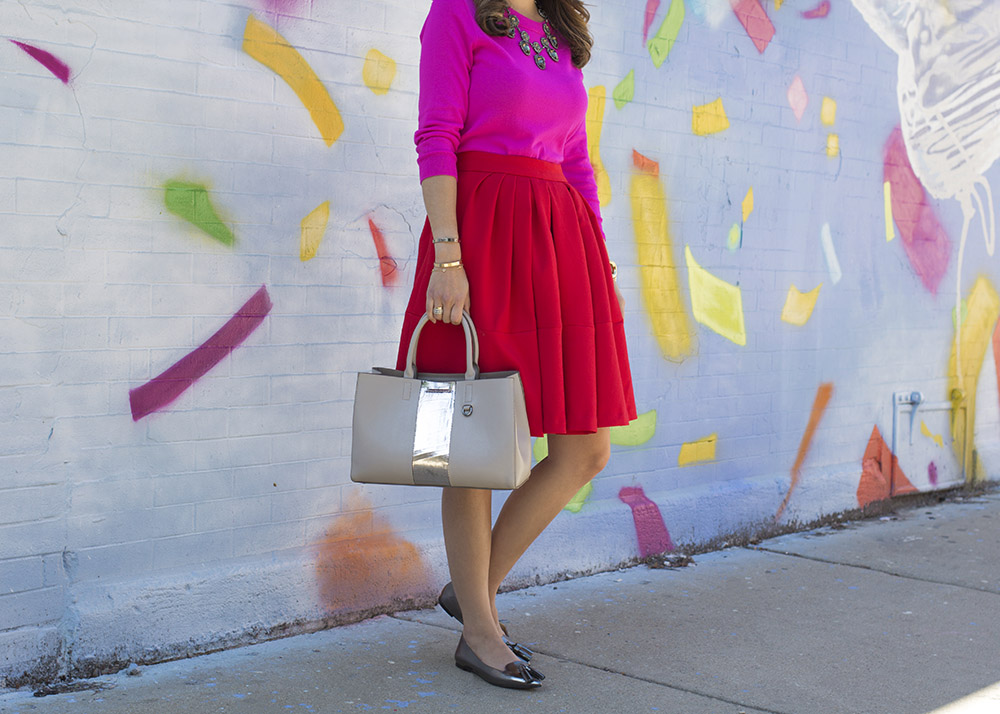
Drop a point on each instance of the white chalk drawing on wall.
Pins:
(949, 100)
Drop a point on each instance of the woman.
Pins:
(513, 234)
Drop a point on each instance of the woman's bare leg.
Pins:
(573, 460)
(466, 515)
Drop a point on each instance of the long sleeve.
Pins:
(578, 170)
(445, 66)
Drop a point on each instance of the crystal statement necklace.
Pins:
(546, 44)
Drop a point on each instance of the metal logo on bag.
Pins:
(467, 409)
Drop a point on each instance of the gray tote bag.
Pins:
(418, 429)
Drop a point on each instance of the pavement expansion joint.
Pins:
(859, 566)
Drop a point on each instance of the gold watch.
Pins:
(614, 270)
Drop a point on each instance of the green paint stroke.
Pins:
(541, 448)
(625, 90)
(576, 503)
(190, 201)
(662, 42)
(638, 432)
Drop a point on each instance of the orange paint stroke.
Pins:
(823, 394)
(390, 270)
(362, 565)
(880, 472)
(645, 164)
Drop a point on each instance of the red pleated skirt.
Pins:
(540, 294)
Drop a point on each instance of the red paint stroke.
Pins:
(390, 270)
(52, 63)
(880, 472)
(996, 353)
(924, 239)
(932, 473)
(823, 394)
(821, 10)
(162, 390)
(649, 526)
(755, 21)
(645, 164)
(651, 7)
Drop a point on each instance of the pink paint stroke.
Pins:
(162, 390)
(821, 10)
(390, 270)
(932, 473)
(48, 60)
(649, 526)
(755, 21)
(651, 7)
(924, 239)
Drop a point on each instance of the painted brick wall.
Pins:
(227, 515)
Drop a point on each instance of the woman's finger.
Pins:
(455, 316)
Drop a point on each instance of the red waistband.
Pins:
(508, 164)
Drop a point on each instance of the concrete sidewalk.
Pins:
(893, 616)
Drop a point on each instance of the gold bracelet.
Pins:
(614, 270)
(445, 239)
(445, 266)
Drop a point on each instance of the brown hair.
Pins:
(568, 17)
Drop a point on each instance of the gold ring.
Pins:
(438, 310)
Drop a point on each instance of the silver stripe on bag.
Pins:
(432, 437)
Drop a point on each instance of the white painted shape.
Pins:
(832, 264)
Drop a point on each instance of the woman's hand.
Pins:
(448, 288)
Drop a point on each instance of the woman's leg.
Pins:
(466, 515)
(573, 460)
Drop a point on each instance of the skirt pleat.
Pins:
(540, 292)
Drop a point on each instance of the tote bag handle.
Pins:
(471, 347)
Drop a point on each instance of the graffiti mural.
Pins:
(209, 229)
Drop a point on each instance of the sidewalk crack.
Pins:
(609, 670)
(871, 568)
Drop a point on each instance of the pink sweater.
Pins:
(482, 93)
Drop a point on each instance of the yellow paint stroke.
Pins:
(596, 100)
(378, 72)
(890, 228)
(716, 304)
(832, 145)
(972, 340)
(576, 503)
(694, 451)
(624, 91)
(541, 448)
(264, 44)
(660, 286)
(637, 432)
(964, 311)
(828, 112)
(313, 228)
(735, 237)
(748, 204)
(709, 118)
(925, 430)
(799, 306)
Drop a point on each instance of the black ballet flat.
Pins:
(449, 603)
(516, 675)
